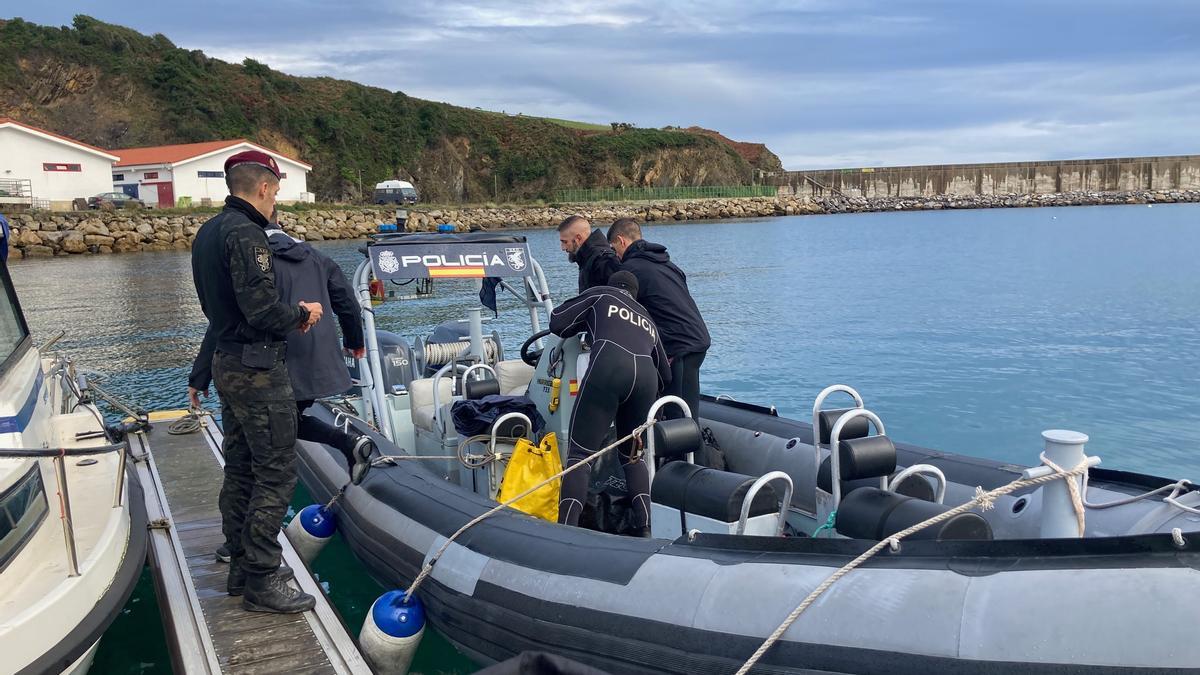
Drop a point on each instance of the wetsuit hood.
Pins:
(647, 250)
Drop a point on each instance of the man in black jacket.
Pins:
(590, 250)
(663, 291)
(232, 268)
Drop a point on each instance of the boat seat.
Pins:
(514, 376)
(421, 392)
(870, 512)
(918, 489)
(473, 390)
(710, 499)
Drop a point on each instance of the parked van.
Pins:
(395, 192)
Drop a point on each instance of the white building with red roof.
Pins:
(42, 168)
(169, 175)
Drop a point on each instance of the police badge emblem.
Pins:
(388, 264)
(516, 258)
(263, 257)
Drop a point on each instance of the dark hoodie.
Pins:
(314, 358)
(663, 291)
(597, 261)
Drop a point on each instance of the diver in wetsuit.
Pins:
(626, 370)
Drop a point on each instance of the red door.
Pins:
(166, 194)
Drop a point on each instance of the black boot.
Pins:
(235, 583)
(360, 458)
(270, 593)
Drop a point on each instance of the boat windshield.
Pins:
(22, 507)
(13, 330)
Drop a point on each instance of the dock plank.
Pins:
(244, 642)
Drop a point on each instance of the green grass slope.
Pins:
(113, 87)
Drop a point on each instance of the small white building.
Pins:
(167, 175)
(42, 168)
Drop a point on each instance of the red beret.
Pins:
(253, 157)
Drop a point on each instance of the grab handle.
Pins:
(922, 470)
(753, 492)
(835, 473)
(650, 416)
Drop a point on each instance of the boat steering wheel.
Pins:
(529, 357)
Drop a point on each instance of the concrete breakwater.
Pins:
(48, 234)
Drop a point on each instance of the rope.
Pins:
(338, 495)
(1176, 487)
(468, 460)
(985, 500)
(439, 354)
(1072, 487)
(425, 572)
(829, 523)
(396, 459)
(188, 424)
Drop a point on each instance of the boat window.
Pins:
(22, 508)
(12, 325)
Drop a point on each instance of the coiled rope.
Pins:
(188, 424)
(428, 568)
(439, 354)
(985, 500)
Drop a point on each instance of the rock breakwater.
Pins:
(40, 233)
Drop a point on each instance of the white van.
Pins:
(395, 192)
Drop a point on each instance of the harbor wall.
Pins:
(44, 233)
(1178, 172)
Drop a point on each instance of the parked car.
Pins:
(115, 200)
(395, 192)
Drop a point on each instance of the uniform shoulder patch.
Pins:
(263, 257)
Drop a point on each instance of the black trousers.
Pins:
(685, 382)
(318, 431)
(618, 387)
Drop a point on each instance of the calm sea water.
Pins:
(969, 331)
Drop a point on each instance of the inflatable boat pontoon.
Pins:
(1015, 588)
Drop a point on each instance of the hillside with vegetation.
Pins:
(114, 87)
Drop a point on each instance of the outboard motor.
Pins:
(396, 359)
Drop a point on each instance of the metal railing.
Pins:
(59, 455)
(16, 191)
(634, 194)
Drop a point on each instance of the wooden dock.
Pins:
(207, 630)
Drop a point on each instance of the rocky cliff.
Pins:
(114, 87)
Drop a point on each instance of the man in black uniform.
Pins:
(232, 270)
(626, 370)
(315, 358)
(589, 249)
(663, 291)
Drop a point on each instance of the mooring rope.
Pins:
(428, 568)
(985, 500)
(188, 424)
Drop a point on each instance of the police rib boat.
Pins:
(72, 523)
(1101, 576)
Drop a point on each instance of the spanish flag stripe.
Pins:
(456, 272)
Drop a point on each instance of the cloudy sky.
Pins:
(825, 83)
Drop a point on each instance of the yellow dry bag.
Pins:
(531, 464)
